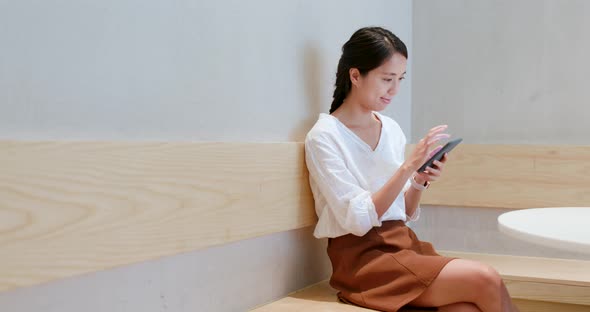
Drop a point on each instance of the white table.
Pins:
(565, 228)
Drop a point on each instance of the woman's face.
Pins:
(377, 88)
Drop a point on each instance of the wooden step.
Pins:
(536, 284)
(318, 297)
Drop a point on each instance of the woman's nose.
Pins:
(393, 90)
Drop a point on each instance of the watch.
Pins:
(418, 186)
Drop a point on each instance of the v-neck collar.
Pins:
(357, 138)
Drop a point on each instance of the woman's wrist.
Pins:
(406, 172)
(418, 179)
(418, 183)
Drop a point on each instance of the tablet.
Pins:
(439, 155)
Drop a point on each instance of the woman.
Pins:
(365, 191)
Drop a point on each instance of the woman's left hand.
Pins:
(432, 173)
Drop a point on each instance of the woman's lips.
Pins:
(385, 100)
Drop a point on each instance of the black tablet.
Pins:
(439, 155)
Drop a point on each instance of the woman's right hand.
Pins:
(421, 151)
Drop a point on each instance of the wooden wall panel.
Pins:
(513, 176)
(68, 208)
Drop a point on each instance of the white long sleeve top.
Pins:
(344, 171)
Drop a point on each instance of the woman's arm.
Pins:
(413, 195)
(412, 198)
(393, 187)
(384, 197)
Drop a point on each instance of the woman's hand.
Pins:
(432, 174)
(421, 153)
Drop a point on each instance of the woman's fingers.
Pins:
(424, 176)
(434, 135)
(431, 135)
(433, 172)
(434, 132)
(438, 128)
(438, 137)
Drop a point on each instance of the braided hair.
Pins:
(366, 50)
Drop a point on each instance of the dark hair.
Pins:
(366, 50)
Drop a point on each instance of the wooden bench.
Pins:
(536, 284)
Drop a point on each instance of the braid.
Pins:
(342, 88)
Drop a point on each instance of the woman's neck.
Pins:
(354, 115)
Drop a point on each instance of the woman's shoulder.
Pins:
(324, 128)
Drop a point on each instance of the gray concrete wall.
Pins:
(226, 70)
(179, 70)
(476, 230)
(232, 277)
(507, 71)
(499, 72)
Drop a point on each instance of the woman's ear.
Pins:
(355, 75)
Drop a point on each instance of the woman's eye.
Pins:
(402, 78)
(388, 79)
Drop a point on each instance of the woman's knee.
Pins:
(492, 276)
(479, 281)
(487, 279)
(462, 281)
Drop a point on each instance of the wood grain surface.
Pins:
(68, 208)
(513, 176)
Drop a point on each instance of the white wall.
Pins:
(223, 70)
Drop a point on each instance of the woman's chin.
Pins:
(380, 107)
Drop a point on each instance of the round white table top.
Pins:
(565, 228)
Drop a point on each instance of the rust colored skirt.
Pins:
(385, 269)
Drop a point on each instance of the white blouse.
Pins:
(344, 171)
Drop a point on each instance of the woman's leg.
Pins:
(467, 281)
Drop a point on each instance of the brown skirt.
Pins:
(384, 269)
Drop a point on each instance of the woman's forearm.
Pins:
(412, 198)
(391, 190)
